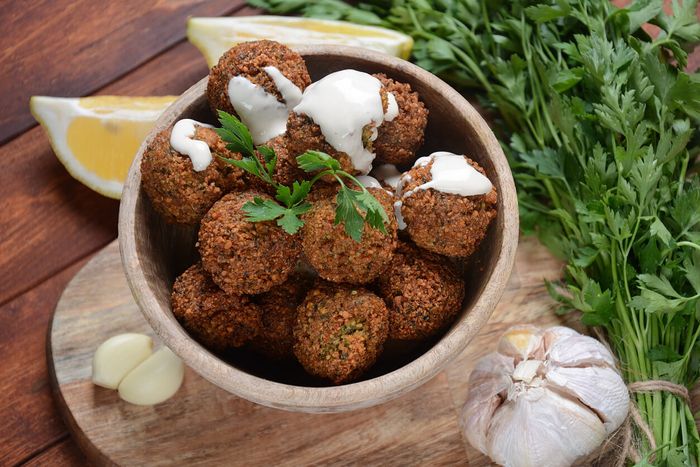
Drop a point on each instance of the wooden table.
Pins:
(50, 224)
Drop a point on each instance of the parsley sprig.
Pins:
(355, 206)
(601, 134)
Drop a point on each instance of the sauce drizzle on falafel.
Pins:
(356, 97)
(182, 140)
(261, 111)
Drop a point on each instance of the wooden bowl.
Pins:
(154, 253)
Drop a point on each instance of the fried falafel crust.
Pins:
(279, 313)
(218, 320)
(398, 140)
(444, 223)
(176, 191)
(305, 135)
(248, 60)
(287, 170)
(245, 257)
(340, 331)
(336, 256)
(423, 291)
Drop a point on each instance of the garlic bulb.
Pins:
(546, 397)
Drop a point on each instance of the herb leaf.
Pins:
(312, 161)
(347, 213)
(236, 134)
(260, 210)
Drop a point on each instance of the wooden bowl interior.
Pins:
(164, 251)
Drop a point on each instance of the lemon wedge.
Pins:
(214, 36)
(96, 138)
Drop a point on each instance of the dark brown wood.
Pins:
(205, 425)
(37, 195)
(76, 48)
(25, 220)
(63, 454)
(29, 419)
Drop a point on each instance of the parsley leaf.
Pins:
(312, 161)
(236, 134)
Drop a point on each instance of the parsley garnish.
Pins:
(355, 206)
(600, 121)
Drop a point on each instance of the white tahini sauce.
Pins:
(182, 140)
(290, 92)
(369, 182)
(342, 104)
(450, 173)
(389, 174)
(392, 110)
(260, 111)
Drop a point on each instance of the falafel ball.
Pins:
(218, 320)
(340, 331)
(303, 134)
(423, 292)
(279, 313)
(445, 223)
(335, 255)
(286, 170)
(248, 60)
(398, 140)
(176, 191)
(245, 257)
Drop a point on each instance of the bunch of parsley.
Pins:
(355, 206)
(599, 122)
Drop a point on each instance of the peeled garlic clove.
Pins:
(578, 351)
(155, 380)
(117, 356)
(541, 428)
(521, 342)
(600, 388)
(489, 384)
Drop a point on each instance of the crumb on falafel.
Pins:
(219, 320)
(245, 257)
(340, 331)
(248, 59)
(423, 292)
(399, 139)
(335, 255)
(177, 192)
(279, 312)
(444, 223)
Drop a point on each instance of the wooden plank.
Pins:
(48, 219)
(417, 429)
(73, 48)
(63, 454)
(29, 418)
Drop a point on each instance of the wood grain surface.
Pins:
(49, 223)
(203, 424)
(98, 42)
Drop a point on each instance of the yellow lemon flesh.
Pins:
(96, 138)
(214, 36)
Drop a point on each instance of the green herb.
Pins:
(354, 206)
(600, 135)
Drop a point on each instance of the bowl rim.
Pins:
(349, 396)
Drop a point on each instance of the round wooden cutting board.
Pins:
(204, 425)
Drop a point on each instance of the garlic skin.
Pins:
(545, 398)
